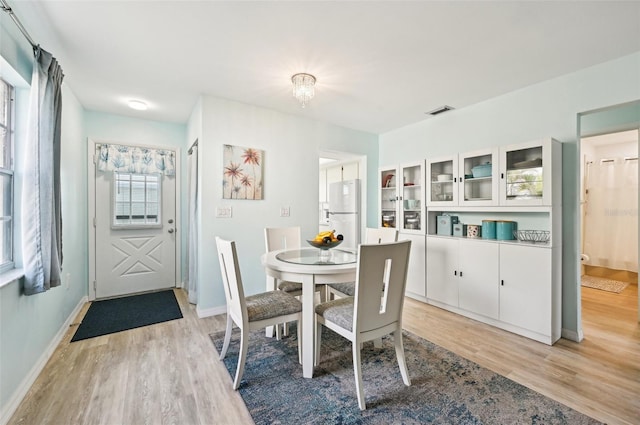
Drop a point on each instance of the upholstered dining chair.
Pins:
(276, 238)
(253, 312)
(372, 235)
(376, 308)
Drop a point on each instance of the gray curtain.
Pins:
(192, 246)
(41, 216)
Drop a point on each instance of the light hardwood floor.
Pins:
(170, 373)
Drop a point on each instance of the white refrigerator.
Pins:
(344, 211)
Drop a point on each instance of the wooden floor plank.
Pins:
(170, 372)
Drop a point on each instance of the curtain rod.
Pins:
(190, 151)
(5, 7)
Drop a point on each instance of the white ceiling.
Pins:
(380, 65)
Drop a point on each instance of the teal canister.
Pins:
(488, 229)
(504, 230)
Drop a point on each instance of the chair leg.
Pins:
(244, 341)
(357, 371)
(324, 294)
(227, 337)
(377, 343)
(397, 339)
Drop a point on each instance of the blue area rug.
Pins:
(445, 388)
(120, 314)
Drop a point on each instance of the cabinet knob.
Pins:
(455, 273)
(454, 179)
(460, 273)
(502, 282)
(501, 175)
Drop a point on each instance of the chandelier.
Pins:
(303, 87)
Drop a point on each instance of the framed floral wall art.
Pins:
(242, 173)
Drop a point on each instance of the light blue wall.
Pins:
(101, 126)
(610, 120)
(29, 324)
(17, 54)
(546, 109)
(291, 145)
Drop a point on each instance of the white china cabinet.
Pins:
(509, 283)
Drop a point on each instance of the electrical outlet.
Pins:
(285, 211)
(223, 212)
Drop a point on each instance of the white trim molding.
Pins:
(572, 335)
(213, 311)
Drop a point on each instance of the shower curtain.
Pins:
(611, 214)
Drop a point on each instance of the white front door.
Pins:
(135, 238)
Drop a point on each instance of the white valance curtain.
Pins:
(134, 159)
(611, 218)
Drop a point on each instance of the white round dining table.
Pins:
(310, 267)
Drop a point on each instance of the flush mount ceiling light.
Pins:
(138, 105)
(303, 87)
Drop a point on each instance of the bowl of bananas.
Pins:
(326, 240)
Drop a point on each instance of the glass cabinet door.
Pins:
(525, 174)
(442, 181)
(478, 178)
(411, 197)
(388, 197)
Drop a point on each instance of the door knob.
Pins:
(170, 230)
(170, 221)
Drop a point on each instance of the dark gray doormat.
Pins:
(120, 314)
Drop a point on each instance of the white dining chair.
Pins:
(376, 308)
(372, 235)
(253, 312)
(276, 238)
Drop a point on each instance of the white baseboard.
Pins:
(572, 335)
(12, 405)
(213, 311)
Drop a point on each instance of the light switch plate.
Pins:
(223, 212)
(285, 211)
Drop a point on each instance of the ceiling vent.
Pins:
(440, 110)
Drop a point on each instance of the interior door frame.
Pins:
(580, 134)
(342, 157)
(91, 185)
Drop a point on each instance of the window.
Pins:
(136, 200)
(6, 176)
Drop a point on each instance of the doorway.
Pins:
(608, 280)
(132, 216)
(337, 166)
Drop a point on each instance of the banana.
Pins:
(328, 233)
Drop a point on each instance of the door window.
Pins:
(136, 200)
